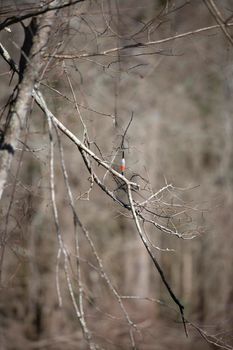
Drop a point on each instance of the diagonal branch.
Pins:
(213, 9)
(40, 100)
(154, 259)
(57, 5)
(137, 45)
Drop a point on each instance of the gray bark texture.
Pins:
(21, 104)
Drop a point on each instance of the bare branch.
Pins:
(40, 100)
(56, 5)
(155, 261)
(137, 45)
(210, 4)
(62, 248)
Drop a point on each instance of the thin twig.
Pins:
(210, 4)
(137, 45)
(82, 322)
(155, 261)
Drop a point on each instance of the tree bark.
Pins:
(21, 104)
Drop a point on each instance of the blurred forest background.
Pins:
(180, 95)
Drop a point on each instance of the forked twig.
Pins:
(155, 261)
(62, 247)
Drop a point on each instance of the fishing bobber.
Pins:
(122, 167)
